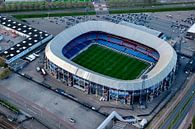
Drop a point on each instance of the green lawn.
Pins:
(111, 63)
(74, 0)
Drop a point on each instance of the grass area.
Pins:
(44, 6)
(82, 4)
(152, 10)
(193, 122)
(111, 63)
(126, 3)
(74, 0)
(2, 63)
(4, 73)
(9, 106)
(23, 16)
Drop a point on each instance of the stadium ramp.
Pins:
(113, 115)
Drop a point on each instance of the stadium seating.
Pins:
(111, 45)
(102, 36)
(70, 52)
(114, 40)
(83, 41)
(92, 36)
(129, 45)
(143, 50)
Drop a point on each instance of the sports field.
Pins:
(111, 63)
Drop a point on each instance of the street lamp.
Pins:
(132, 100)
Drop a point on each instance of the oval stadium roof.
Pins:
(163, 67)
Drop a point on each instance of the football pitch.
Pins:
(111, 63)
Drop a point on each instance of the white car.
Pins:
(72, 120)
(36, 55)
(38, 69)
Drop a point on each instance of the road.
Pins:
(180, 100)
(176, 116)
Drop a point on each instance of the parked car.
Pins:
(72, 120)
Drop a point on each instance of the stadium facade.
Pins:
(132, 42)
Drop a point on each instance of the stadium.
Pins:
(111, 61)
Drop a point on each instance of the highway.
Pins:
(178, 114)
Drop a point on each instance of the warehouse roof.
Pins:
(32, 35)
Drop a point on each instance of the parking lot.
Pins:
(172, 24)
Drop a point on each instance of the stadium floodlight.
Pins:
(142, 91)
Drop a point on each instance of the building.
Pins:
(34, 39)
(135, 43)
(191, 32)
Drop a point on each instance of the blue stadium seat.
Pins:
(117, 47)
(102, 42)
(103, 36)
(92, 36)
(114, 40)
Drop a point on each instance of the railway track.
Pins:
(4, 124)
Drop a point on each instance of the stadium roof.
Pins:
(163, 67)
(192, 29)
(33, 36)
(142, 28)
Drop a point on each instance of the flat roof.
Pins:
(165, 64)
(192, 29)
(33, 37)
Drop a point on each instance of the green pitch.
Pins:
(111, 63)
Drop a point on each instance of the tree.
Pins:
(193, 122)
(5, 73)
(2, 62)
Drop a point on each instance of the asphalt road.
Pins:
(174, 114)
